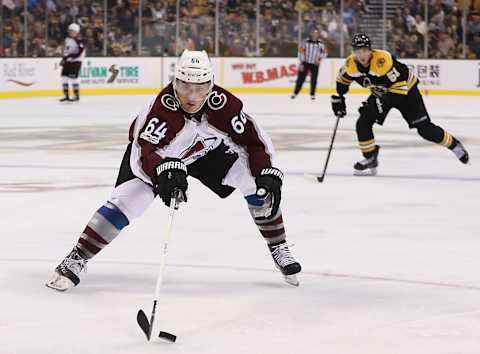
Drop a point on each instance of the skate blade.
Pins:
(291, 279)
(367, 172)
(59, 283)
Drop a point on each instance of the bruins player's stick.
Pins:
(142, 319)
(322, 177)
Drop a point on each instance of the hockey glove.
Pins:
(269, 186)
(338, 106)
(171, 176)
(374, 109)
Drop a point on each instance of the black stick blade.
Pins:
(142, 321)
(167, 336)
(320, 178)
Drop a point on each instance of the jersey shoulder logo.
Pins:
(216, 100)
(351, 67)
(169, 102)
(381, 63)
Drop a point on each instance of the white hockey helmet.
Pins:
(193, 69)
(194, 66)
(74, 27)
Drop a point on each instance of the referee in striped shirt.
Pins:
(310, 53)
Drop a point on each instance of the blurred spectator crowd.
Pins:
(38, 28)
(444, 27)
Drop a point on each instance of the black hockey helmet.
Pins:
(361, 40)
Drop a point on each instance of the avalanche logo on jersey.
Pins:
(170, 102)
(199, 148)
(216, 101)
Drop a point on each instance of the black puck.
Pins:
(167, 336)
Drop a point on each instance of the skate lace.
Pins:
(74, 265)
(281, 254)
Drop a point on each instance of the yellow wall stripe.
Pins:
(153, 90)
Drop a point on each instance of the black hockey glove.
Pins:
(374, 108)
(171, 175)
(338, 105)
(270, 182)
(62, 62)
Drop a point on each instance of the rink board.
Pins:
(37, 77)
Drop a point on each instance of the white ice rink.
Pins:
(391, 263)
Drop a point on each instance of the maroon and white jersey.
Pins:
(74, 50)
(164, 130)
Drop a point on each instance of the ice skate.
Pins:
(64, 99)
(461, 153)
(67, 272)
(76, 95)
(285, 262)
(367, 166)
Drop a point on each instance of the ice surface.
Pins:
(391, 263)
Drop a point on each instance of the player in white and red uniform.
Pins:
(192, 128)
(73, 54)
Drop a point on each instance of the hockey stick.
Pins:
(142, 319)
(322, 177)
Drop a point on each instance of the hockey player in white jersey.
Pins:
(73, 54)
(192, 128)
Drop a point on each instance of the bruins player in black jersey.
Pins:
(392, 85)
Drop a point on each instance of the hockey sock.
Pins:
(271, 229)
(366, 139)
(103, 227)
(368, 147)
(65, 85)
(76, 88)
(449, 141)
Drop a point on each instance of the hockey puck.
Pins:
(167, 336)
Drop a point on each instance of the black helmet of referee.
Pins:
(361, 40)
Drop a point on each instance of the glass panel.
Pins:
(36, 29)
(196, 26)
(325, 16)
(122, 27)
(356, 13)
(278, 28)
(158, 27)
(444, 30)
(2, 24)
(472, 33)
(237, 28)
(13, 45)
(60, 14)
(407, 29)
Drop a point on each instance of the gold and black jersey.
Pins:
(385, 74)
